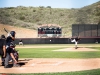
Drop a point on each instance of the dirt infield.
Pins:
(45, 65)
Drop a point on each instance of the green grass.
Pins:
(49, 53)
(88, 72)
(65, 45)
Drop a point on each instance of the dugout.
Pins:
(49, 30)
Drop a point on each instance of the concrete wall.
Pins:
(55, 40)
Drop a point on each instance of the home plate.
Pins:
(78, 49)
(50, 63)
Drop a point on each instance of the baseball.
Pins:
(50, 40)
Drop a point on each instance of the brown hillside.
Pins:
(20, 32)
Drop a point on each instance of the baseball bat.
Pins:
(5, 30)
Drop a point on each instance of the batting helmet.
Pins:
(13, 33)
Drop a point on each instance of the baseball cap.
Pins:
(2, 36)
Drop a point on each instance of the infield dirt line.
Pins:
(47, 65)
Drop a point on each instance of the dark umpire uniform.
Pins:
(2, 48)
(9, 50)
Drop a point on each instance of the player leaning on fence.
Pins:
(2, 49)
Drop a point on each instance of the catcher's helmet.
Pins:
(13, 33)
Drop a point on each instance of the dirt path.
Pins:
(45, 65)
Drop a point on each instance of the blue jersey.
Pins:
(9, 40)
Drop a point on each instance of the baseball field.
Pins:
(56, 59)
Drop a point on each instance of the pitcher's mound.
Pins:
(78, 49)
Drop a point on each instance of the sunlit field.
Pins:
(46, 51)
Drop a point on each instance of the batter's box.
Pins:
(49, 63)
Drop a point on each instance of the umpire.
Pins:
(2, 49)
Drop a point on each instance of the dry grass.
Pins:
(20, 32)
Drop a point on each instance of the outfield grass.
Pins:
(49, 53)
(66, 45)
